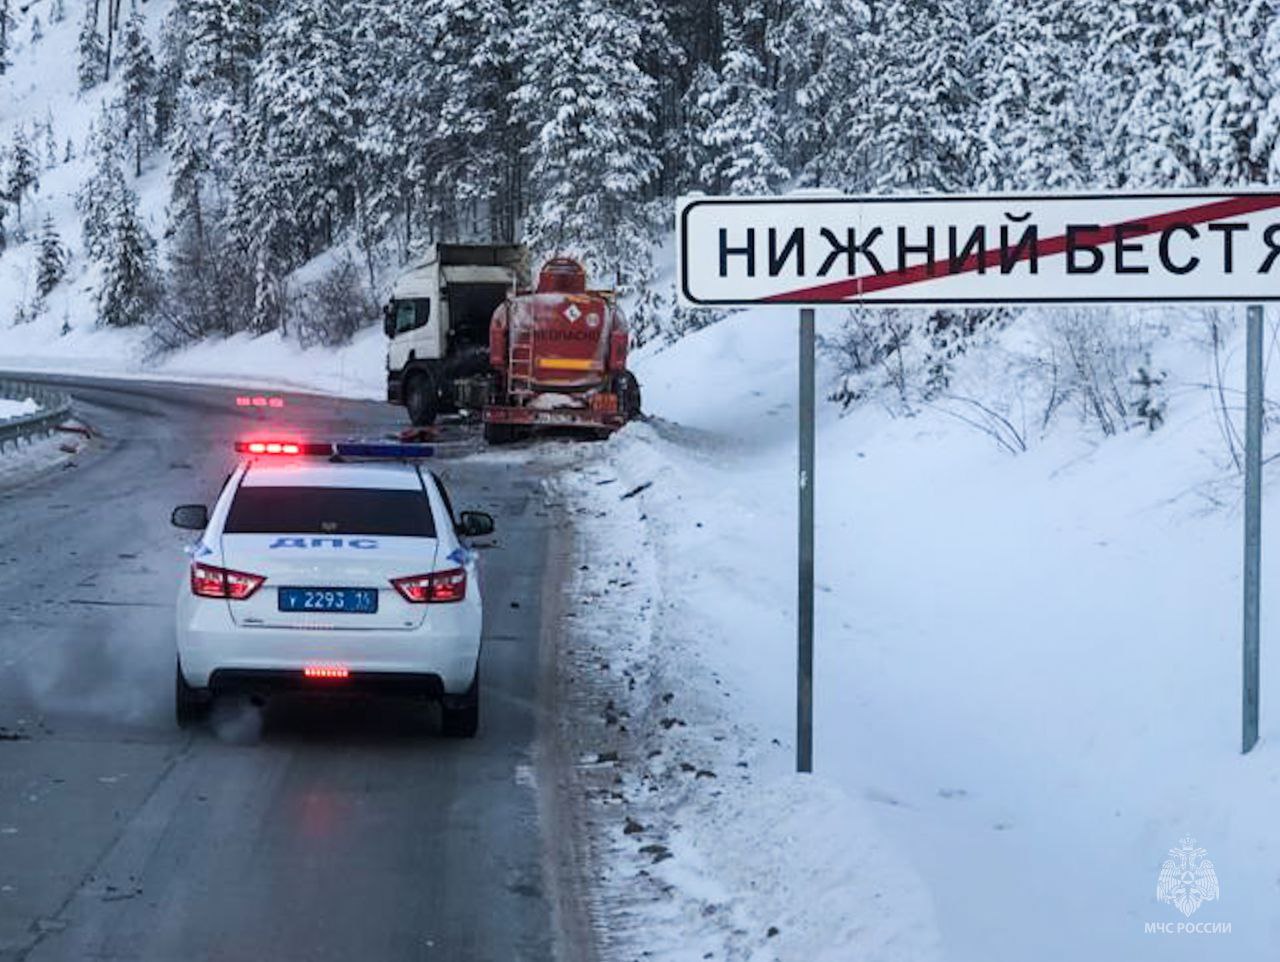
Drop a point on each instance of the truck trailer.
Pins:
(466, 333)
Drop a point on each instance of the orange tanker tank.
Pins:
(559, 356)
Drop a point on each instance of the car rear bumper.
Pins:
(262, 681)
(446, 647)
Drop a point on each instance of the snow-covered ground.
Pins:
(1027, 679)
(13, 408)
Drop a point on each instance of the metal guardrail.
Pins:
(54, 409)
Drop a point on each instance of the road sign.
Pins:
(963, 250)
(1209, 246)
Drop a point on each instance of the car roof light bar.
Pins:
(368, 450)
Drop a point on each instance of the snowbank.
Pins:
(355, 370)
(1027, 680)
(10, 408)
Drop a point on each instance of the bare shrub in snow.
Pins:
(335, 307)
(911, 352)
(1101, 352)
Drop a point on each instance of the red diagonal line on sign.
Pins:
(1140, 227)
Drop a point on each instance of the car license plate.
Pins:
(355, 601)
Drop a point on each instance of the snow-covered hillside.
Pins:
(40, 90)
(1027, 681)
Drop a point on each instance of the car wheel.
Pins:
(190, 705)
(420, 398)
(460, 714)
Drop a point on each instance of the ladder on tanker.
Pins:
(520, 362)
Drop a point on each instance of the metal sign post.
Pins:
(804, 630)
(1252, 524)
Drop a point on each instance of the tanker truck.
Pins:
(465, 333)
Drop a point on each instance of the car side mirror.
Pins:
(193, 517)
(473, 524)
(389, 321)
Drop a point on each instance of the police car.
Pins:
(331, 566)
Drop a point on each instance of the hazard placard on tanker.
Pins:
(1016, 249)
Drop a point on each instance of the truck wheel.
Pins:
(495, 434)
(190, 705)
(460, 714)
(420, 397)
(627, 388)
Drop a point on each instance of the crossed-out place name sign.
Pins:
(957, 249)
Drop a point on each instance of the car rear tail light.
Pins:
(438, 587)
(208, 581)
(326, 671)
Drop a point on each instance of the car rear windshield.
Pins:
(299, 510)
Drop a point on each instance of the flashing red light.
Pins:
(271, 447)
(243, 402)
(275, 402)
(258, 401)
(208, 581)
(437, 587)
(326, 671)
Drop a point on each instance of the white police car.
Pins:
(339, 572)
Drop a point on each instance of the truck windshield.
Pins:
(301, 510)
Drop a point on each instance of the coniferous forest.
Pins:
(289, 127)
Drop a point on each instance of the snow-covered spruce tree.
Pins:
(1229, 90)
(824, 59)
(208, 281)
(51, 266)
(129, 282)
(24, 169)
(138, 78)
(4, 238)
(6, 33)
(473, 75)
(923, 98)
(1038, 125)
(742, 137)
(223, 39)
(301, 129)
(1269, 125)
(104, 191)
(168, 79)
(58, 11)
(92, 64)
(1152, 141)
(587, 106)
(50, 142)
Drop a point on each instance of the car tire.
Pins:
(421, 398)
(190, 705)
(460, 714)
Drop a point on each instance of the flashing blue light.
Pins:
(382, 449)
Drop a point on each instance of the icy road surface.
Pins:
(344, 830)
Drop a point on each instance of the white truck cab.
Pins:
(437, 325)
